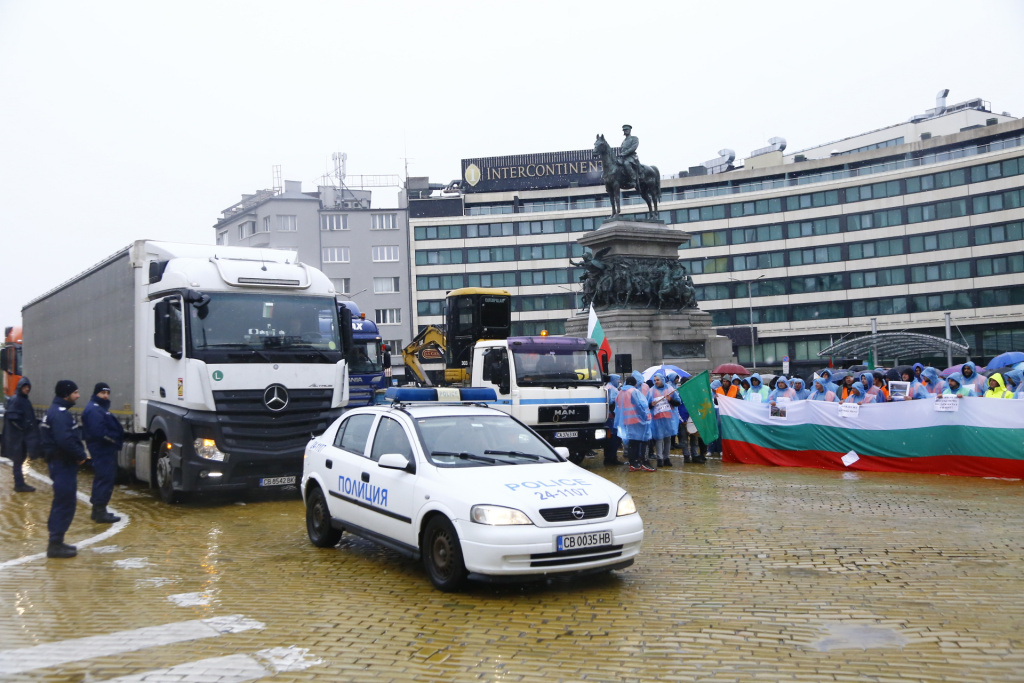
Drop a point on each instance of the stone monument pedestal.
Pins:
(677, 336)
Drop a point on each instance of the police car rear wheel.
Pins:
(442, 555)
(318, 520)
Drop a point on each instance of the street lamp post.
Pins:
(750, 311)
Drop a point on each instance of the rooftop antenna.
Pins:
(278, 187)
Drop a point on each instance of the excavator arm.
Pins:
(430, 342)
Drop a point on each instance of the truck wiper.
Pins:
(528, 456)
(472, 456)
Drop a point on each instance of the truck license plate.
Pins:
(276, 481)
(587, 540)
(566, 435)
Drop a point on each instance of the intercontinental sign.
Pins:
(531, 171)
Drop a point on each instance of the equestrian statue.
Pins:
(623, 171)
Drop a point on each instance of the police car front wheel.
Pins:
(318, 520)
(442, 555)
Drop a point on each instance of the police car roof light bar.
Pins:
(440, 395)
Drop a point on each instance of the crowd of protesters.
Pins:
(863, 388)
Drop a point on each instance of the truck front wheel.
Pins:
(576, 457)
(165, 475)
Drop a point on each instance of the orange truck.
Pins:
(10, 360)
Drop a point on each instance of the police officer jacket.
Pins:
(59, 433)
(102, 431)
(21, 432)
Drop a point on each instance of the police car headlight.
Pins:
(207, 448)
(600, 434)
(497, 516)
(626, 506)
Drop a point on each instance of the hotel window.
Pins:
(287, 223)
(335, 255)
(388, 316)
(383, 221)
(384, 254)
(334, 221)
(385, 285)
(998, 233)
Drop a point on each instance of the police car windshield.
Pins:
(480, 441)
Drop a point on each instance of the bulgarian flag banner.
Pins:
(596, 332)
(974, 437)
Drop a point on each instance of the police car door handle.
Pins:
(365, 476)
(329, 464)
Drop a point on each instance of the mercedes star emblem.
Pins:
(275, 397)
(577, 512)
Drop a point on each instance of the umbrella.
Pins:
(899, 370)
(665, 369)
(894, 375)
(1008, 358)
(836, 376)
(732, 369)
(858, 368)
(949, 371)
(1002, 371)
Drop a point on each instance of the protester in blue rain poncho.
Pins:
(612, 441)
(664, 417)
(934, 384)
(971, 378)
(917, 372)
(867, 384)
(1013, 378)
(859, 396)
(782, 390)
(758, 392)
(823, 391)
(955, 386)
(633, 423)
(799, 389)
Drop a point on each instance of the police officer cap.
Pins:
(100, 386)
(65, 388)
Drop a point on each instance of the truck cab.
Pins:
(366, 358)
(552, 384)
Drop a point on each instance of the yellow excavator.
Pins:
(471, 314)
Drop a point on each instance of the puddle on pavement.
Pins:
(843, 636)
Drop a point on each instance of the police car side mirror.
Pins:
(394, 461)
(562, 451)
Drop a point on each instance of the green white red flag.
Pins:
(596, 332)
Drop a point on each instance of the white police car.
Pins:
(469, 489)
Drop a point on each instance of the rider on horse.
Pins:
(627, 156)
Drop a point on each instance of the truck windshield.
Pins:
(539, 365)
(280, 328)
(365, 357)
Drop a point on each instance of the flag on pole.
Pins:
(696, 396)
(596, 332)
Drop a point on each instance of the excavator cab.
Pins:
(473, 313)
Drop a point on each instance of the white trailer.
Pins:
(223, 361)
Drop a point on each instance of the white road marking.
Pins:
(190, 599)
(115, 528)
(230, 669)
(703, 474)
(133, 563)
(66, 651)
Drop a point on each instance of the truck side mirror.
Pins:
(386, 360)
(167, 335)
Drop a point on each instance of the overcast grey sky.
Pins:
(129, 120)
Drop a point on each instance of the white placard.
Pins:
(755, 397)
(850, 457)
(899, 391)
(849, 410)
(947, 404)
(782, 400)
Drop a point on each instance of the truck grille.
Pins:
(566, 515)
(246, 424)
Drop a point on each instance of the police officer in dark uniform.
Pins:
(61, 441)
(104, 436)
(21, 433)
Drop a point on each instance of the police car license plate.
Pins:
(587, 540)
(566, 435)
(276, 481)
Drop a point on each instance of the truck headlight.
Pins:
(497, 516)
(600, 434)
(626, 506)
(207, 448)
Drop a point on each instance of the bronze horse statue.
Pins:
(616, 179)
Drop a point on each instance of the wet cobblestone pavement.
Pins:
(747, 573)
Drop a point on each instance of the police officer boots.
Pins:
(60, 550)
(100, 515)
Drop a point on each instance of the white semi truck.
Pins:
(223, 361)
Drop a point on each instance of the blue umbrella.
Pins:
(665, 369)
(1008, 358)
